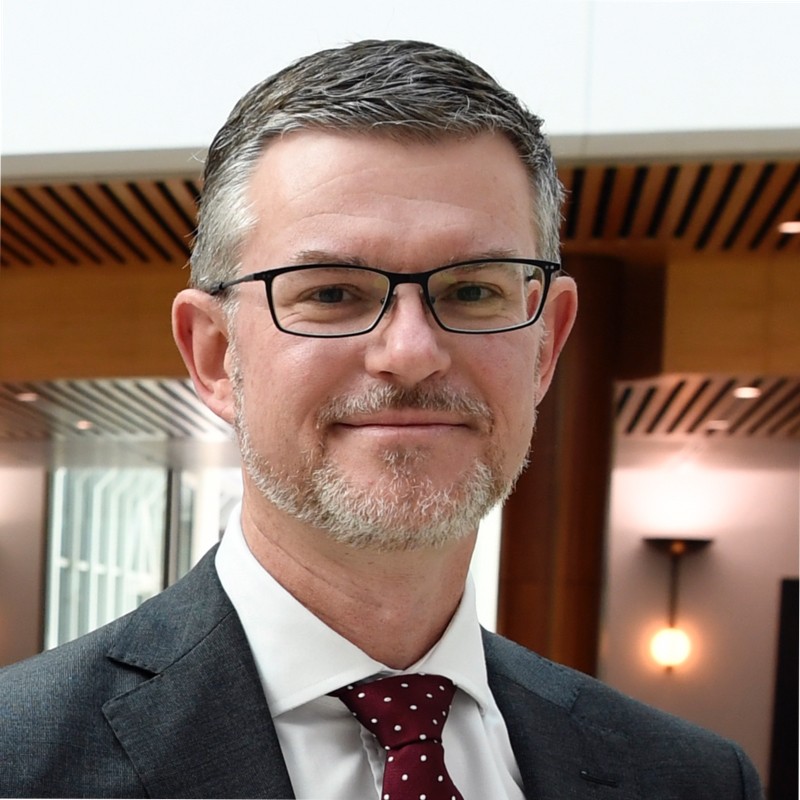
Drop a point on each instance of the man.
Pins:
(377, 308)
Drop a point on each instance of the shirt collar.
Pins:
(299, 658)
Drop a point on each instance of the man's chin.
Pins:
(403, 511)
(402, 501)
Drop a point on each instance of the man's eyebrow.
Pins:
(305, 257)
(494, 255)
(315, 256)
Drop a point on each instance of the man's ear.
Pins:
(201, 333)
(558, 317)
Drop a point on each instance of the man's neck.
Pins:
(392, 605)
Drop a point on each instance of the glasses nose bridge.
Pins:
(419, 279)
(398, 278)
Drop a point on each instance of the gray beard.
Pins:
(400, 510)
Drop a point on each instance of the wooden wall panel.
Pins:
(89, 322)
(733, 314)
(554, 523)
(782, 339)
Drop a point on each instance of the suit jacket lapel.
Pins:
(198, 723)
(560, 754)
(200, 727)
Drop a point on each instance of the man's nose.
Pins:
(407, 347)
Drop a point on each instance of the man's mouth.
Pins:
(390, 408)
(407, 418)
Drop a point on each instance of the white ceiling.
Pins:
(89, 76)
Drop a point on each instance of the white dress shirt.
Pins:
(329, 755)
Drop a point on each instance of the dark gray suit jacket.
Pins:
(166, 702)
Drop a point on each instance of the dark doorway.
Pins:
(783, 759)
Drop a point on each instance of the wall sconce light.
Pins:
(671, 646)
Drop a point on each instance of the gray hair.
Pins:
(403, 90)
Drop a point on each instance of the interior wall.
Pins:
(745, 495)
(90, 322)
(727, 313)
(22, 542)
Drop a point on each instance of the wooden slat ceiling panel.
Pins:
(590, 203)
(780, 412)
(125, 410)
(27, 235)
(615, 208)
(115, 222)
(786, 207)
(676, 200)
(701, 405)
(692, 206)
(741, 185)
(712, 195)
(65, 225)
(610, 215)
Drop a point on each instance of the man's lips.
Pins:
(401, 431)
(390, 408)
(406, 425)
(398, 419)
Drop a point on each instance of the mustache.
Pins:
(425, 398)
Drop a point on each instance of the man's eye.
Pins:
(472, 293)
(328, 294)
(468, 294)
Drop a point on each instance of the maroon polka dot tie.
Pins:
(407, 713)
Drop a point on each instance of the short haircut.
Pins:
(403, 90)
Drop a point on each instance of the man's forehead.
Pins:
(389, 138)
(300, 157)
(367, 199)
(329, 162)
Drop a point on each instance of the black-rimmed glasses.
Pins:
(335, 300)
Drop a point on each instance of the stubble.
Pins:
(402, 508)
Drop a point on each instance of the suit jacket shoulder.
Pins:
(167, 702)
(574, 736)
(163, 702)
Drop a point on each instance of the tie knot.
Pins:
(401, 709)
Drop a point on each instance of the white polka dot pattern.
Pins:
(407, 713)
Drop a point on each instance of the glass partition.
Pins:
(106, 545)
(117, 536)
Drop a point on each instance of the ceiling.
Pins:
(109, 223)
(633, 211)
(705, 405)
(122, 409)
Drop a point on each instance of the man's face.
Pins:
(407, 435)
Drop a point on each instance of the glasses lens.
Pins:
(328, 301)
(486, 297)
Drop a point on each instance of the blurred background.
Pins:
(676, 412)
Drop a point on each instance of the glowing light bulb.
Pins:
(670, 647)
(747, 392)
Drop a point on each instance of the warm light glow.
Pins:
(670, 647)
(747, 392)
(790, 226)
(681, 498)
(27, 397)
(84, 425)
